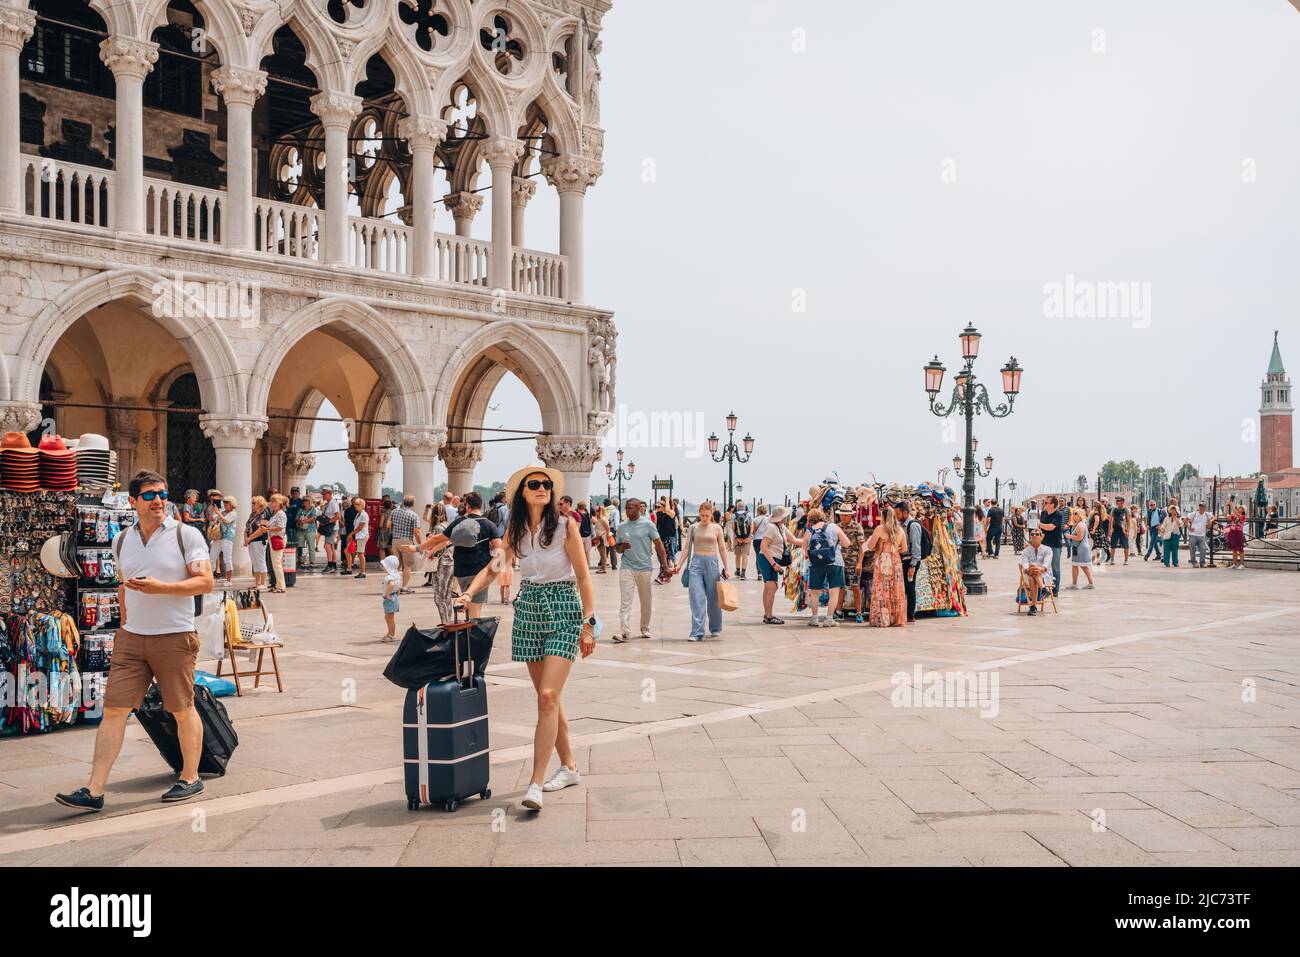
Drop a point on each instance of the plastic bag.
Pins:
(211, 629)
(220, 687)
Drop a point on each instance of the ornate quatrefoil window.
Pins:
(507, 51)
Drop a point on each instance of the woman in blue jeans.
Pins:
(706, 562)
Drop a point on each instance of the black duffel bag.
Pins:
(460, 649)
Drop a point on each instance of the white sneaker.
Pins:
(533, 799)
(563, 778)
(646, 634)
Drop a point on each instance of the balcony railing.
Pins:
(67, 192)
(379, 244)
(83, 195)
(539, 274)
(283, 229)
(178, 211)
(461, 259)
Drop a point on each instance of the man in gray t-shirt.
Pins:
(637, 539)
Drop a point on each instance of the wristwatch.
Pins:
(594, 622)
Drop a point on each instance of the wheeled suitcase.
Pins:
(445, 735)
(219, 738)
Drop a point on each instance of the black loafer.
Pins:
(180, 791)
(82, 800)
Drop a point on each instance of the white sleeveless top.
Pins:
(549, 564)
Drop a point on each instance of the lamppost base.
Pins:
(974, 584)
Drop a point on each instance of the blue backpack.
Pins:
(821, 547)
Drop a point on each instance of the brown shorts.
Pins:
(405, 559)
(140, 659)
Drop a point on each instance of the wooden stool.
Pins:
(259, 671)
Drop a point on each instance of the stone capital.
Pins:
(522, 190)
(127, 56)
(298, 464)
(463, 205)
(502, 151)
(336, 109)
(19, 416)
(422, 132)
(570, 453)
(420, 443)
(368, 461)
(239, 87)
(458, 456)
(233, 432)
(16, 27)
(571, 174)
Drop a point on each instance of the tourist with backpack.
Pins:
(163, 565)
(824, 545)
(918, 549)
(742, 534)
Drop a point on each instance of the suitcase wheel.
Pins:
(451, 805)
(412, 804)
(485, 793)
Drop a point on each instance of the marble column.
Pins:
(130, 60)
(572, 176)
(463, 208)
(575, 456)
(502, 155)
(370, 465)
(524, 189)
(16, 28)
(422, 135)
(336, 112)
(460, 459)
(233, 439)
(295, 467)
(240, 90)
(124, 435)
(419, 451)
(19, 416)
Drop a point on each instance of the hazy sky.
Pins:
(920, 165)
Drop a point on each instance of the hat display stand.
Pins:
(938, 582)
(40, 643)
(58, 583)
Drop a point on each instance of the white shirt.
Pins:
(361, 526)
(1199, 522)
(1040, 556)
(330, 509)
(549, 564)
(451, 513)
(160, 558)
(1031, 518)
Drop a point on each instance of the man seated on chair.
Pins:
(1036, 560)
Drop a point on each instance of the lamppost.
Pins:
(620, 475)
(970, 397)
(1011, 487)
(730, 454)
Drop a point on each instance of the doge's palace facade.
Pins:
(216, 215)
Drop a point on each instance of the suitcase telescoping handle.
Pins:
(464, 670)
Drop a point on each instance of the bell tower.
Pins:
(1275, 450)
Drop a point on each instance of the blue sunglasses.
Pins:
(156, 493)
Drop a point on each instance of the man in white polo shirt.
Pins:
(162, 565)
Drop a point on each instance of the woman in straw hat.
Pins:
(554, 612)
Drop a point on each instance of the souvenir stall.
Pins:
(57, 592)
(939, 590)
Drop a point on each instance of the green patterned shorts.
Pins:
(548, 621)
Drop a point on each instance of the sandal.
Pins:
(773, 621)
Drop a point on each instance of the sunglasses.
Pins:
(534, 484)
(156, 493)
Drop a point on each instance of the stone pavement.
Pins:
(1153, 721)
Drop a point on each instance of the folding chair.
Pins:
(1044, 596)
(246, 632)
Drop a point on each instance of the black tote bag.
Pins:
(459, 650)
